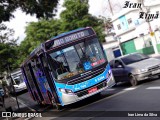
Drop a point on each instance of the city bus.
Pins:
(67, 68)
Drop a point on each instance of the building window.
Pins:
(119, 26)
(129, 21)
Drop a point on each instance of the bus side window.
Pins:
(36, 67)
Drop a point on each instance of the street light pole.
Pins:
(150, 28)
(110, 7)
(12, 85)
(119, 44)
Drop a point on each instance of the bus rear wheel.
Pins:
(52, 100)
(37, 99)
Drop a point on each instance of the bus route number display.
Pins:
(70, 38)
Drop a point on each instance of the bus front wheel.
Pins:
(52, 100)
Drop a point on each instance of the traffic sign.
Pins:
(152, 33)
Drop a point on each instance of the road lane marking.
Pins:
(154, 88)
(131, 88)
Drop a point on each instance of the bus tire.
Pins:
(58, 107)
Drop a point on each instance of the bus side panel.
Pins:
(29, 80)
(38, 92)
(27, 83)
(50, 79)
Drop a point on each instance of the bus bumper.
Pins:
(72, 98)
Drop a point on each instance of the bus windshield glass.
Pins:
(76, 59)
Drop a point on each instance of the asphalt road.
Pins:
(118, 101)
(130, 100)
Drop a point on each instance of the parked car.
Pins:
(1, 96)
(134, 68)
(18, 81)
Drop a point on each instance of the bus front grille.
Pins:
(85, 91)
(86, 77)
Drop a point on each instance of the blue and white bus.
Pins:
(67, 68)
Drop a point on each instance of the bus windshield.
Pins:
(76, 59)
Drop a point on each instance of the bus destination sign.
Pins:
(70, 38)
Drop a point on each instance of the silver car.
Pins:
(135, 67)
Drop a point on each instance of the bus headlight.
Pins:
(66, 91)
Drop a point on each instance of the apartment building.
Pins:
(135, 34)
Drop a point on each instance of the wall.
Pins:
(142, 44)
(139, 31)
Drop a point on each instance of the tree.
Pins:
(8, 48)
(8, 55)
(6, 35)
(41, 8)
(9, 51)
(107, 24)
(76, 15)
(36, 33)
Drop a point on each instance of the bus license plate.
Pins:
(92, 90)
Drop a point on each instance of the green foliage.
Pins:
(41, 8)
(8, 48)
(74, 16)
(8, 55)
(42, 30)
(36, 33)
(6, 35)
(4, 83)
(75, 10)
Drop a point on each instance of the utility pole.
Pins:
(110, 7)
(150, 28)
(12, 85)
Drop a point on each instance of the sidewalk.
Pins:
(10, 105)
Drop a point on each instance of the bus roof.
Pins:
(72, 31)
(37, 49)
(53, 38)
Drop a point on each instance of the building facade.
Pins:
(135, 34)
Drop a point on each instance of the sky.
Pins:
(97, 7)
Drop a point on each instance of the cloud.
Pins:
(19, 23)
